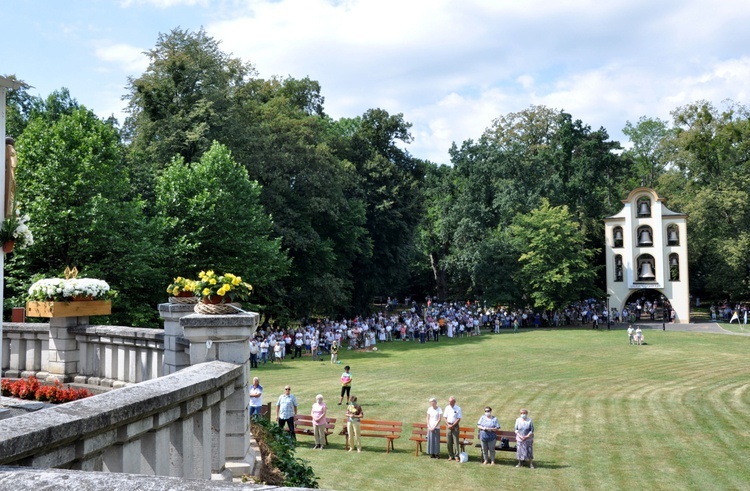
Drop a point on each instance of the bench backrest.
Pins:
(305, 420)
(464, 432)
(393, 427)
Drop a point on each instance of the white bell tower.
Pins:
(646, 248)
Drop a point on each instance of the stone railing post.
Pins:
(174, 356)
(225, 338)
(63, 348)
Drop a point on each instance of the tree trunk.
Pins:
(439, 274)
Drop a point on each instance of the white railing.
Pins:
(25, 349)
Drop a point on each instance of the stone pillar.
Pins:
(225, 338)
(174, 357)
(63, 348)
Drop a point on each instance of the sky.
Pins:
(450, 67)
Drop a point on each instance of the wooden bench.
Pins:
(374, 428)
(510, 435)
(303, 425)
(419, 435)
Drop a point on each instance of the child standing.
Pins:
(346, 384)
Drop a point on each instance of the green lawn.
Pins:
(673, 414)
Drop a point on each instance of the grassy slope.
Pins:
(674, 414)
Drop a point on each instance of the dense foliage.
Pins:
(216, 168)
(280, 465)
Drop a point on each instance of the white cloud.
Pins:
(129, 58)
(452, 67)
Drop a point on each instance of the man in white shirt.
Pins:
(256, 398)
(254, 349)
(452, 415)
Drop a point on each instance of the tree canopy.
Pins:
(217, 168)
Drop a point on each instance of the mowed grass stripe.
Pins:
(608, 415)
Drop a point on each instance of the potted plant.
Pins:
(181, 287)
(226, 288)
(69, 297)
(14, 231)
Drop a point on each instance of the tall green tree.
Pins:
(194, 93)
(73, 183)
(709, 180)
(182, 102)
(213, 220)
(649, 150)
(522, 158)
(556, 267)
(389, 183)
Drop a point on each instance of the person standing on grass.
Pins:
(277, 352)
(254, 349)
(346, 384)
(452, 415)
(314, 347)
(319, 421)
(286, 410)
(524, 439)
(434, 414)
(256, 398)
(631, 334)
(334, 352)
(639, 335)
(298, 344)
(264, 350)
(354, 415)
(487, 436)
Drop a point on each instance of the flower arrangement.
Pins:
(33, 389)
(14, 230)
(228, 286)
(66, 290)
(181, 287)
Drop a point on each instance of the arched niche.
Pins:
(646, 267)
(644, 236)
(673, 234)
(618, 268)
(617, 237)
(643, 207)
(674, 267)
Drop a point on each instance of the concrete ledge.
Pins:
(119, 332)
(31, 434)
(59, 479)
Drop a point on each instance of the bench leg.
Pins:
(419, 448)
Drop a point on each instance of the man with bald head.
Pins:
(452, 415)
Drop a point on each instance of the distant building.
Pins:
(646, 249)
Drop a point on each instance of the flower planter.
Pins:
(8, 246)
(68, 309)
(214, 299)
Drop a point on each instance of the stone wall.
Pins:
(170, 426)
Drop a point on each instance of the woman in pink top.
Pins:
(319, 421)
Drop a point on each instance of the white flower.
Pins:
(50, 288)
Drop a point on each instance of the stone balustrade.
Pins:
(107, 356)
(180, 408)
(171, 426)
(114, 356)
(25, 349)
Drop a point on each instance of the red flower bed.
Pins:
(32, 389)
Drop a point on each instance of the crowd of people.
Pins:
(422, 324)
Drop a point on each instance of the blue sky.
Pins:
(451, 67)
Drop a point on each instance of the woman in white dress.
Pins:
(434, 413)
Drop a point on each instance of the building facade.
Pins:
(646, 249)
